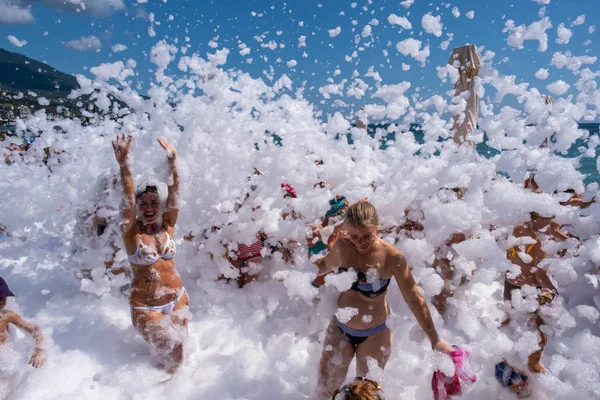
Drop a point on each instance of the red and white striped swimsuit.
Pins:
(245, 253)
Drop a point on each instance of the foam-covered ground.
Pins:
(264, 341)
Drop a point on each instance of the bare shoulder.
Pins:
(390, 250)
(131, 231)
(10, 317)
(393, 257)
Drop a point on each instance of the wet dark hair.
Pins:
(147, 189)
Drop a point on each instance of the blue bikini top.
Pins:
(365, 288)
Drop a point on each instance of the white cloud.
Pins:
(393, 19)
(541, 1)
(16, 42)
(119, 47)
(97, 8)
(558, 88)
(407, 3)
(292, 63)
(535, 31)
(412, 47)
(19, 11)
(432, 24)
(470, 14)
(564, 34)
(335, 32)
(13, 12)
(455, 12)
(89, 43)
(542, 73)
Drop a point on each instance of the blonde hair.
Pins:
(362, 213)
(365, 389)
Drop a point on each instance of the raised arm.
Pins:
(327, 264)
(413, 297)
(39, 354)
(170, 216)
(122, 146)
(554, 230)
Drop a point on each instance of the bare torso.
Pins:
(155, 284)
(533, 250)
(372, 311)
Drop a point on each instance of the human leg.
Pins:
(180, 318)
(165, 332)
(335, 359)
(446, 272)
(535, 359)
(377, 347)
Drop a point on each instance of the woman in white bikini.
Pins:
(363, 332)
(159, 303)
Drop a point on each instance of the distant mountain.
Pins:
(24, 73)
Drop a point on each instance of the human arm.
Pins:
(586, 204)
(554, 230)
(122, 146)
(314, 236)
(39, 354)
(170, 216)
(327, 264)
(338, 232)
(415, 301)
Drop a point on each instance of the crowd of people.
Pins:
(349, 239)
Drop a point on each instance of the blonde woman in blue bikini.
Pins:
(159, 303)
(363, 333)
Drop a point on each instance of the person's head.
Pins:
(147, 200)
(360, 389)
(362, 222)
(4, 293)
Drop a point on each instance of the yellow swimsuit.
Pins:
(513, 250)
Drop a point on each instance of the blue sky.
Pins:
(49, 25)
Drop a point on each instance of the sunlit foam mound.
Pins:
(263, 341)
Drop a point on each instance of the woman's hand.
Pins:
(441, 346)
(169, 148)
(122, 147)
(38, 358)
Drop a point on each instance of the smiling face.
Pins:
(149, 208)
(363, 237)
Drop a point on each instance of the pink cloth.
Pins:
(445, 386)
(289, 189)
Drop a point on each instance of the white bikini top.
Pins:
(146, 255)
